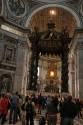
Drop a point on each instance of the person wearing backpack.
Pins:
(30, 112)
(52, 111)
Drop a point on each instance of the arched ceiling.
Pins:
(51, 1)
(61, 18)
(58, 1)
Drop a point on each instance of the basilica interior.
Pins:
(41, 46)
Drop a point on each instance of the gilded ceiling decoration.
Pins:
(50, 58)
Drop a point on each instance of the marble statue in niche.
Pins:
(5, 83)
(9, 54)
(17, 7)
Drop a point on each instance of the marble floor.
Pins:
(36, 122)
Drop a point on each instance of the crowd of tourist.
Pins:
(14, 107)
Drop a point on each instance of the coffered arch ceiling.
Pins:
(52, 1)
(61, 18)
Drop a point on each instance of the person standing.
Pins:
(30, 112)
(4, 103)
(68, 112)
(52, 111)
(14, 103)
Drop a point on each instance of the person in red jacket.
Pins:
(4, 104)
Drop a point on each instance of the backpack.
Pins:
(23, 107)
(29, 108)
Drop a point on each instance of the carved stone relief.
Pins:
(16, 7)
(17, 11)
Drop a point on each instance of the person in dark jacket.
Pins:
(52, 111)
(68, 112)
(30, 112)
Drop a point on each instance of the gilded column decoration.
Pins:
(64, 75)
(36, 70)
(64, 58)
(34, 61)
(33, 71)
